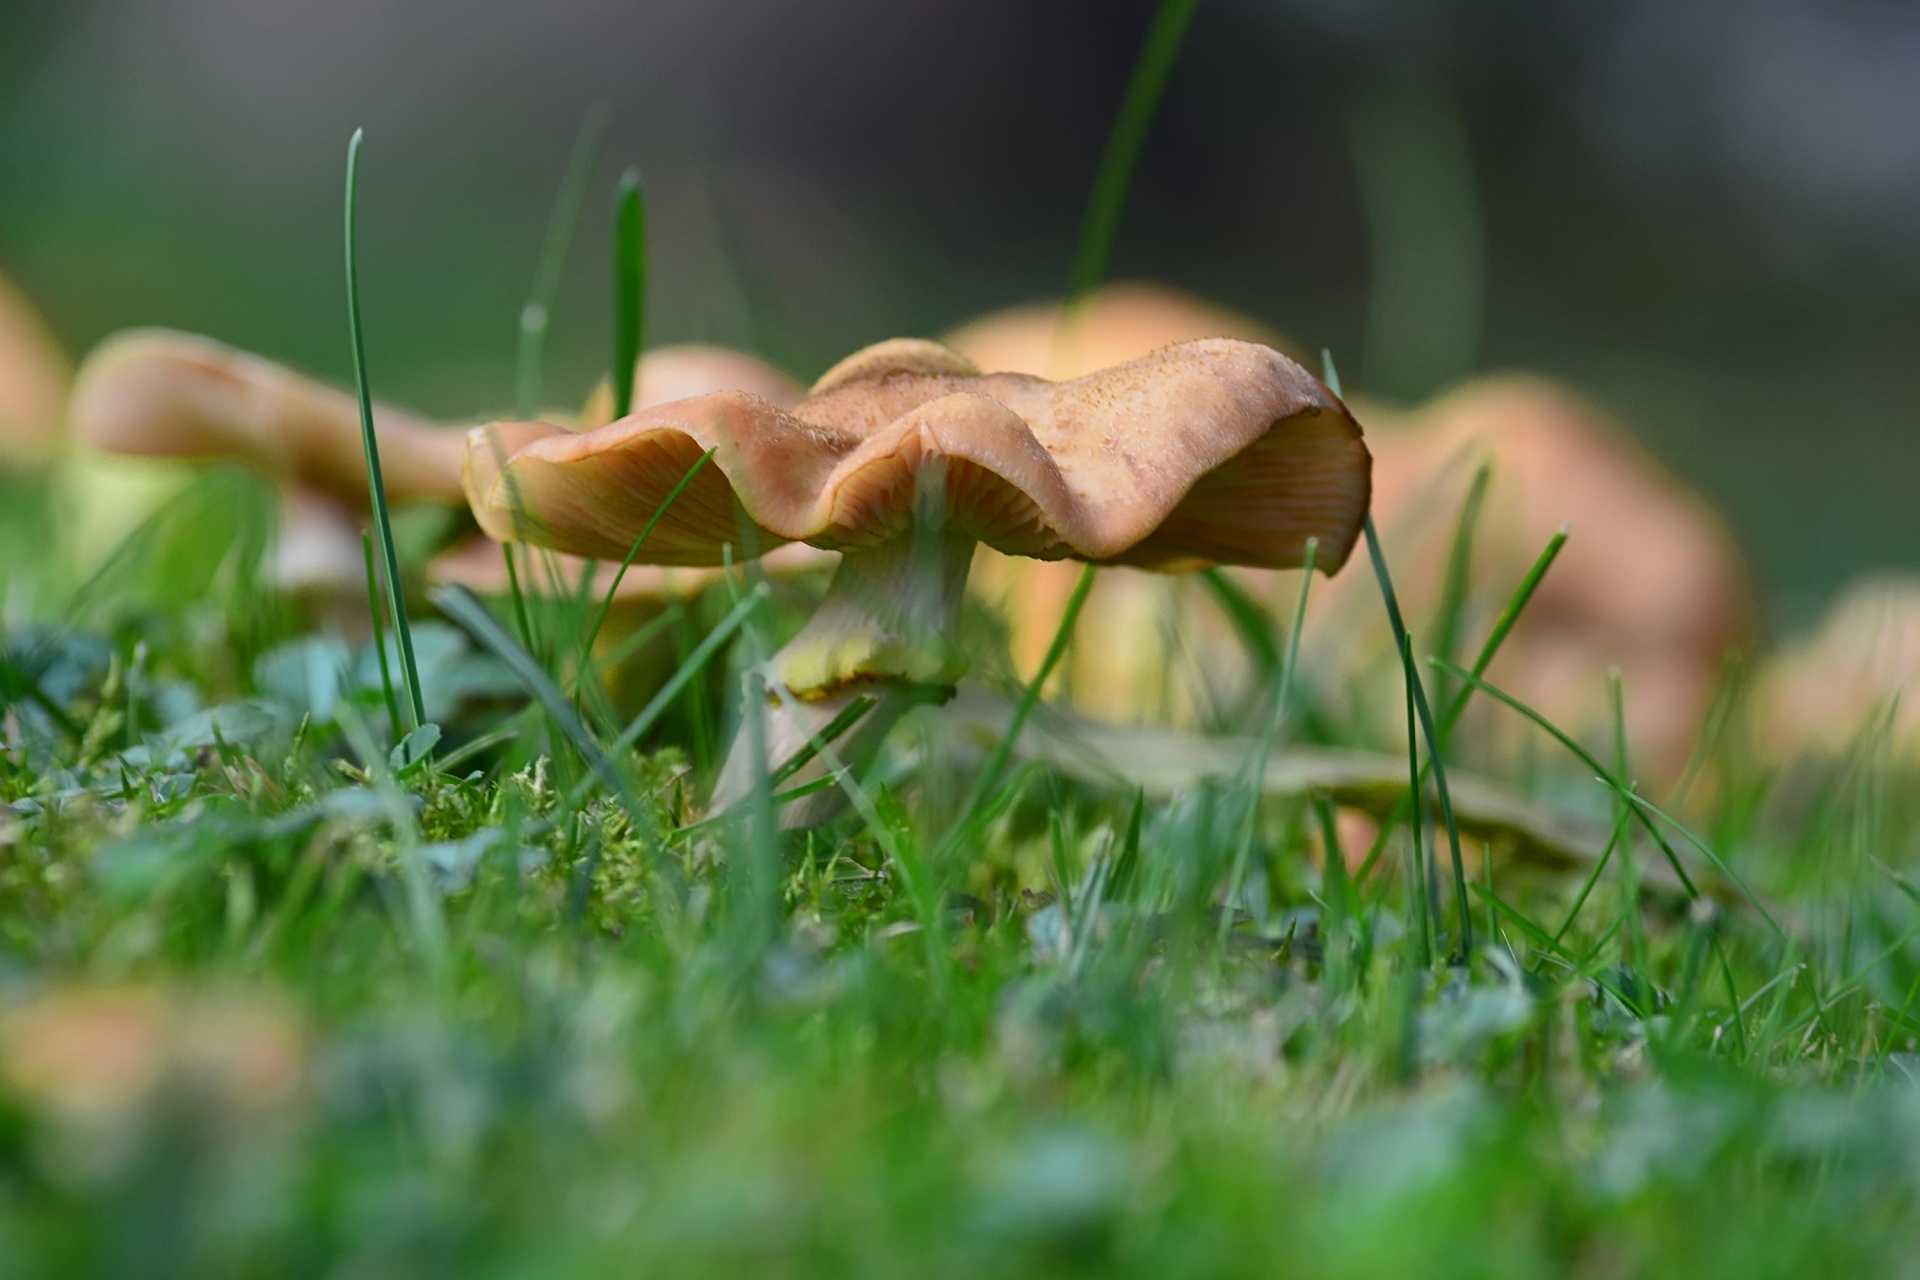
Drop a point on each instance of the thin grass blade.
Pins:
(376, 482)
(1141, 102)
(563, 223)
(629, 287)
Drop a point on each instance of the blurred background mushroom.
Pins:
(34, 377)
(1112, 325)
(179, 398)
(1854, 680)
(1649, 583)
(182, 398)
(98, 1051)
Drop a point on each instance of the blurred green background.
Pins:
(1706, 216)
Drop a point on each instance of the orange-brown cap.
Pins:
(1116, 323)
(1212, 451)
(33, 380)
(1863, 662)
(162, 394)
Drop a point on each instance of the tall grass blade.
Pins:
(1645, 810)
(1629, 874)
(563, 223)
(1029, 698)
(1427, 240)
(380, 636)
(1101, 224)
(1253, 624)
(613, 588)
(376, 482)
(1425, 909)
(1489, 649)
(1455, 588)
(629, 287)
(736, 618)
(1257, 774)
(521, 617)
(849, 716)
(1436, 765)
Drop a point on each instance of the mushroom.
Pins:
(1650, 580)
(162, 394)
(1861, 664)
(1125, 677)
(33, 381)
(904, 457)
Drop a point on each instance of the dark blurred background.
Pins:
(1707, 215)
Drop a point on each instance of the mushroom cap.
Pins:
(690, 369)
(33, 380)
(1211, 451)
(1820, 695)
(1117, 323)
(477, 565)
(158, 393)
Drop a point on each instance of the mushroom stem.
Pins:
(885, 630)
